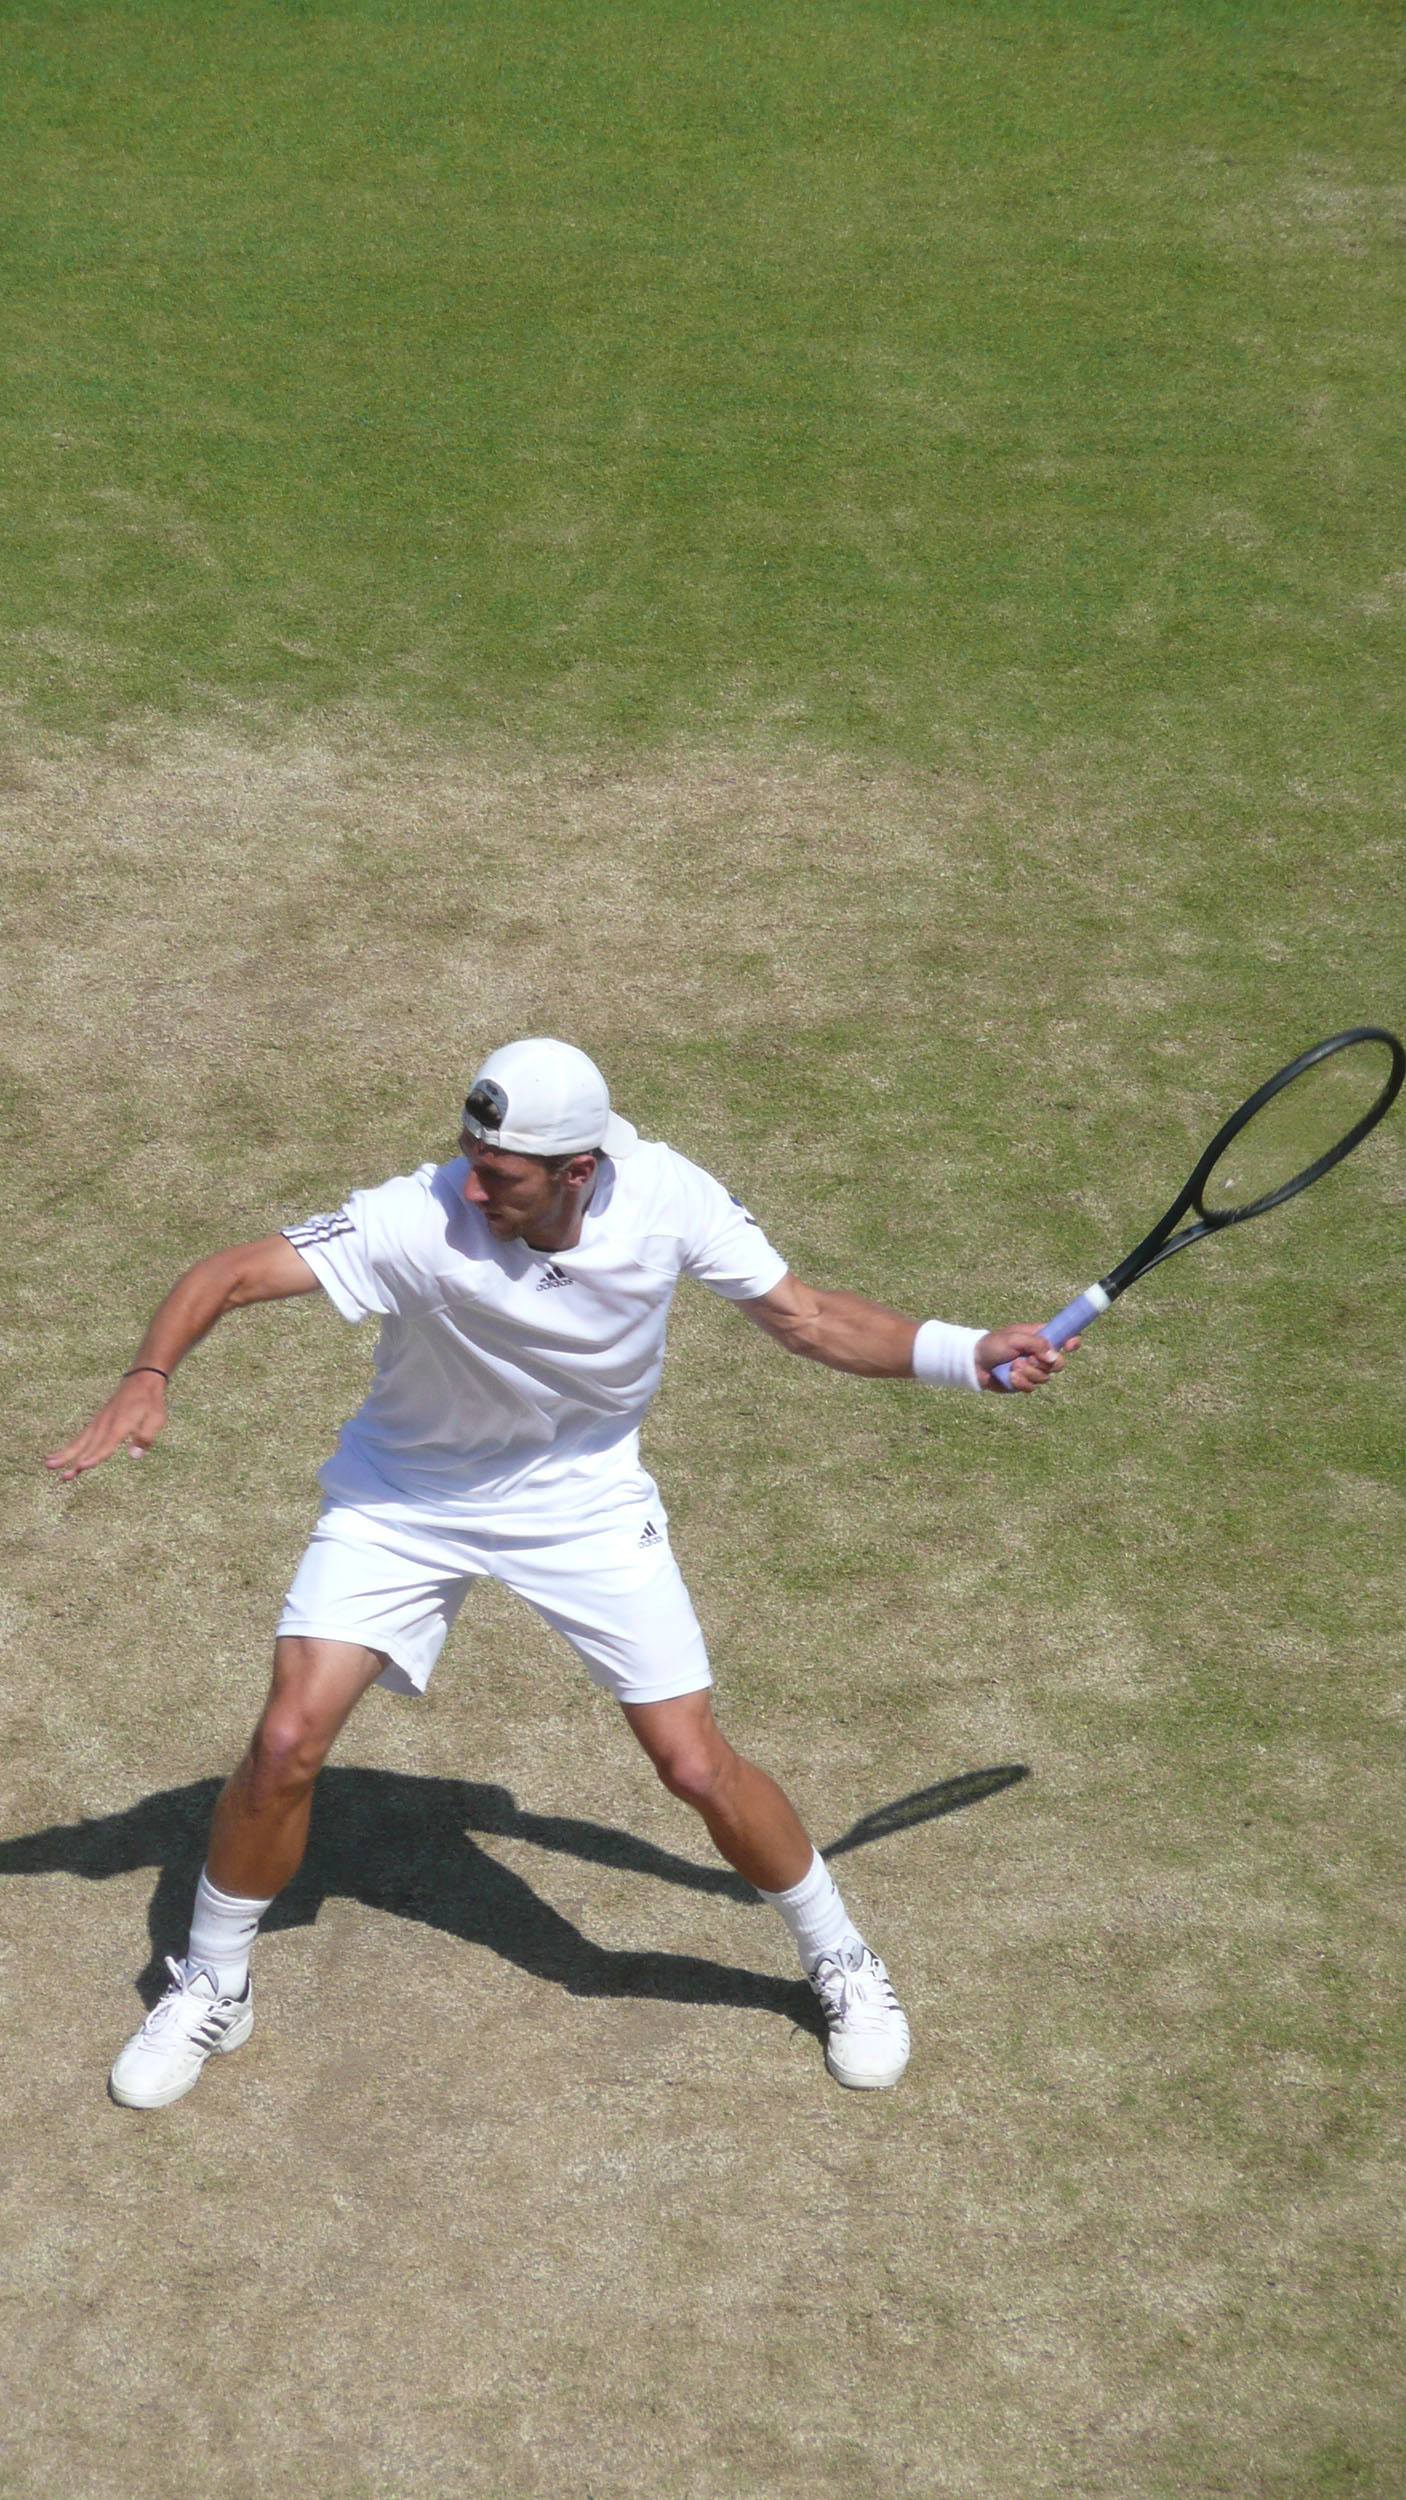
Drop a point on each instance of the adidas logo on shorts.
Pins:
(649, 1534)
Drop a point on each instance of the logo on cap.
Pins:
(487, 1105)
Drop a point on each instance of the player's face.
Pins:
(520, 1200)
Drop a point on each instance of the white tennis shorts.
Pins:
(615, 1593)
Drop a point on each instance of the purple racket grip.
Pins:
(1076, 1315)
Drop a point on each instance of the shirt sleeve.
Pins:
(364, 1255)
(723, 1246)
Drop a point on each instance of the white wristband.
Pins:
(945, 1357)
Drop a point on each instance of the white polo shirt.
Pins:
(511, 1383)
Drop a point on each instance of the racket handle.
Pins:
(1075, 1316)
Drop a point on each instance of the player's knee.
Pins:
(288, 1750)
(697, 1769)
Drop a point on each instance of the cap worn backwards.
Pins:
(545, 1098)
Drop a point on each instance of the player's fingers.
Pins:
(73, 1463)
(1032, 1370)
(133, 1416)
(89, 1450)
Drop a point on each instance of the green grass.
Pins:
(920, 380)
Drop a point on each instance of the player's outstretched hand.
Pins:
(132, 1418)
(1035, 1360)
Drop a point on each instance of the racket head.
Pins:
(1297, 1125)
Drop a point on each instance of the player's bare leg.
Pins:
(753, 1824)
(260, 1829)
(256, 1845)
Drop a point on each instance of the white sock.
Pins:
(222, 1935)
(816, 1915)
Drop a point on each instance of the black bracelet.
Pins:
(147, 1367)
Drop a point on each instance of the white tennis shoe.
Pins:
(869, 2043)
(192, 2022)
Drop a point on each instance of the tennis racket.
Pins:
(1283, 1139)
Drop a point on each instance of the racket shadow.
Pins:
(927, 1805)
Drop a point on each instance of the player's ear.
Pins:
(581, 1169)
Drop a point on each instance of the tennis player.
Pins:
(523, 1291)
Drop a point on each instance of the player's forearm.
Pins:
(850, 1334)
(135, 1414)
(189, 1312)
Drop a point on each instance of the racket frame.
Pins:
(1163, 1242)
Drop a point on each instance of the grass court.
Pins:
(847, 558)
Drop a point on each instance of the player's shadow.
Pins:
(410, 1845)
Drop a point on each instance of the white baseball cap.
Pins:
(545, 1098)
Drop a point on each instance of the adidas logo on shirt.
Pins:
(318, 1228)
(552, 1275)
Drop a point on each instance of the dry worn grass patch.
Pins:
(530, 2182)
